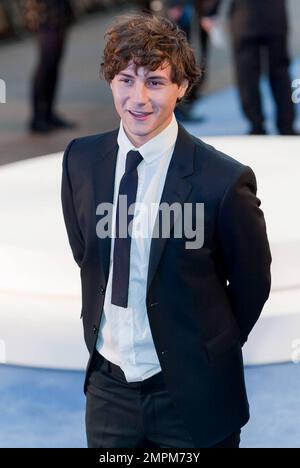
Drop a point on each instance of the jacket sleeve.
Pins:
(245, 250)
(73, 229)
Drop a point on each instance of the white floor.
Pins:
(40, 284)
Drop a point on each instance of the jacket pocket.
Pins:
(222, 342)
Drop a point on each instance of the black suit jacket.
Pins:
(48, 15)
(251, 18)
(198, 321)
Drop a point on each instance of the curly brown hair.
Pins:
(149, 41)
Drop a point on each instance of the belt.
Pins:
(156, 381)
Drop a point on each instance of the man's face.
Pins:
(145, 101)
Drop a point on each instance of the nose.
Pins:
(140, 93)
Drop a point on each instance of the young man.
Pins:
(164, 322)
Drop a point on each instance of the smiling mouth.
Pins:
(140, 115)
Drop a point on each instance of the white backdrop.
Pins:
(40, 284)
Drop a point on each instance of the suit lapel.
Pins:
(176, 190)
(103, 184)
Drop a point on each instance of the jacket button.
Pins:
(102, 290)
(163, 353)
(154, 304)
(95, 329)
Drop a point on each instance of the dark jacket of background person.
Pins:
(48, 14)
(252, 17)
(260, 26)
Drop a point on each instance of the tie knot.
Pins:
(133, 159)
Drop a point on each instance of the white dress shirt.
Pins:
(124, 336)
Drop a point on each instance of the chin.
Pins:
(140, 131)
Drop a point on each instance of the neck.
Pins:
(138, 142)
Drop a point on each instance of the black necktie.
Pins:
(121, 256)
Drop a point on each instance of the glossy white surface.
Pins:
(40, 284)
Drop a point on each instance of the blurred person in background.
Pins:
(49, 21)
(152, 6)
(259, 32)
(182, 13)
(145, 5)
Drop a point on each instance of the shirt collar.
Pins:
(155, 147)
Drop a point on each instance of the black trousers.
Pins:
(121, 414)
(45, 79)
(252, 56)
(196, 91)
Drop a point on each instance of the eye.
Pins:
(126, 80)
(155, 83)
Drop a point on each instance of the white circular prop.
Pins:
(40, 283)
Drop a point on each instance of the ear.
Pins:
(182, 88)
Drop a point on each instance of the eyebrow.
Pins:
(151, 77)
(126, 74)
(157, 77)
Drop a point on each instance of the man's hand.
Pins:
(175, 13)
(208, 23)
